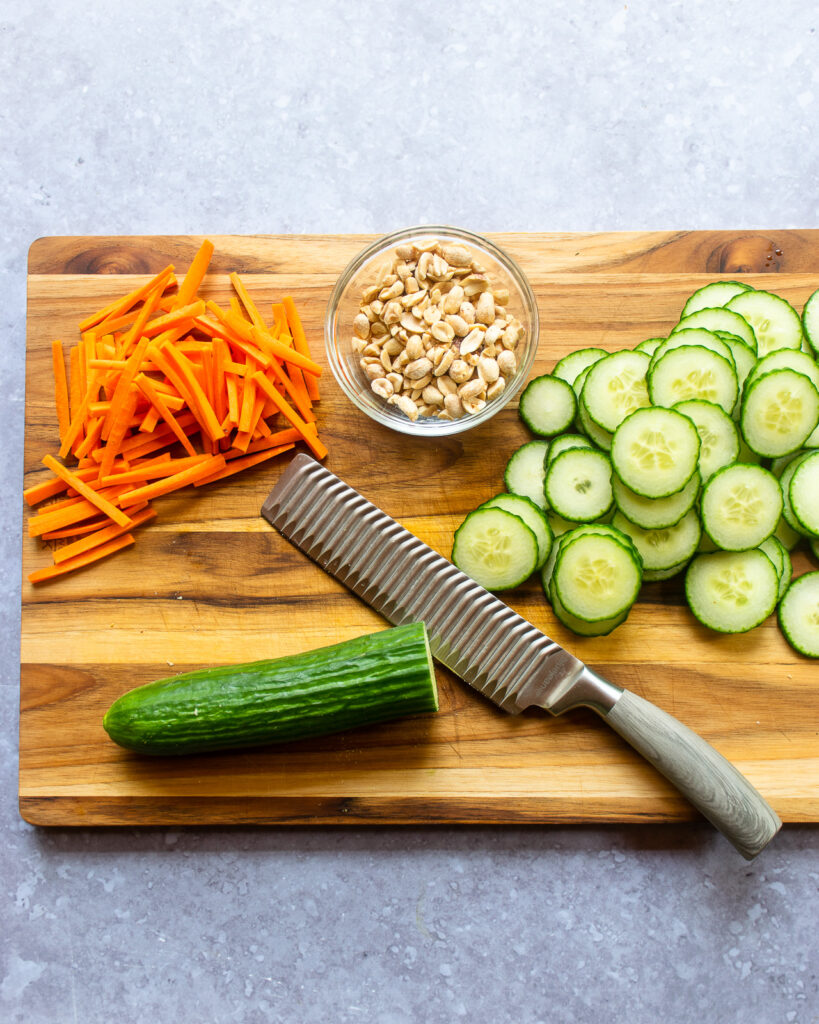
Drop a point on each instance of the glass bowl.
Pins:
(362, 273)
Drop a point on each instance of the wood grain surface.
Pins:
(210, 582)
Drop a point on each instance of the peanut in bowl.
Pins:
(431, 330)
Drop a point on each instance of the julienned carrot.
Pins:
(273, 440)
(98, 537)
(78, 418)
(307, 431)
(160, 404)
(182, 365)
(252, 311)
(237, 465)
(195, 275)
(55, 485)
(94, 555)
(87, 492)
(153, 471)
(300, 342)
(173, 483)
(120, 306)
(119, 428)
(60, 388)
(77, 530)
(174, 319)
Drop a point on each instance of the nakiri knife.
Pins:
(482, 640)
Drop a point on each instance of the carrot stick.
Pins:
(173, 483)
(160, 404)
(176, 318)
(60, 388)
(237, 465)
(177, 369)
(87, 492)
(300, 342)
(41, 575)
(93, 540)
(247, 302)
(248, 401)
(119, 427)
(77, 530)
(272, 441)
(78, 418)
(196, 272)
(232, 387)
(92, 437)
(307, 431)
(153, 471)
(74, 393)
(54, 485)
(49, 519)
(120, 306)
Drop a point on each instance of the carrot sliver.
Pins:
(98, 537)
(173, 483)
(77, 530)
(49, 572)
(55, 485)
(237, 465)
(176, 318)
(161, 406)
(154, 471)
(300, 342)
(179, 370)
(119, 427)
(87, 492)
(60, 388)
(78, 418)
(92, 437)
(121, 306)
(271, 441)
(307, 431)
(195, 275)
(247, 302)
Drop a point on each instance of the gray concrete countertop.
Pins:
(154, 117)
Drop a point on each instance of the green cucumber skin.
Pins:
(369, 679)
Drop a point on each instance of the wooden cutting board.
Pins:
(210, 582)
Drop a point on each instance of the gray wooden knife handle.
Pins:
(712, 784)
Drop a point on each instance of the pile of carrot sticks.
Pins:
(162, 391)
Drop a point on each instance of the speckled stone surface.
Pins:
(301, 116)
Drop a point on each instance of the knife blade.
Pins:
(495, 650)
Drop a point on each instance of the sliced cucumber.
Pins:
(533, 516)
(496, 548)
(600, 628)
(741, 506)
(803, 493)
(655, 451)
(649, 346)
(781, 559)
(780, 410)
(799, 614)
(569, 367)
(599, 436)
(785, 484)
(654, 513)
(596, 577)
(719, 319)
(775, 322)
(810, 322)
(525, 471)
(719, 438)
(744, 358)
(578, 484)
(787, 358)
(785, 533)
(664, 548)
(732, 591)
(564, 443)
(692, 336)
(693, 372)
(614, 387)
(658, 575)
(716, 293)
(547, 405)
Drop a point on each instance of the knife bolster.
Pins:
(588, 690)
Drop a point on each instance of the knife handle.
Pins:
(711, 783)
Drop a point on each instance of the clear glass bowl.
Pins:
(345, 303)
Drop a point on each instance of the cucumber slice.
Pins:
(658, 575)
(662, 549)
(741, 506)
(569, 367)
(649, 346)
(732, 591)
(655, 451)
(785, 533)
(525, 470)
(810, 322)
(785, 358)
(717, 293)
(604, 530)
(598, 436)
(799, 614)
(578, 484)
(785, 484)
(600, 628)
(564, 443)
(548, 405)
(744, 358)
(719, 438)
(614, 387)
(533, 516)
(781, 560)
(654, 513)
(775, 322)
(719, 319)
(692, 336)
(780, 410)
(693, 372)
(596, 577)
(496, 548)
(803, 493)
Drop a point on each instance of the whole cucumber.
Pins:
(370, 679)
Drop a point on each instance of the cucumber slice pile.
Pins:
(693, 455)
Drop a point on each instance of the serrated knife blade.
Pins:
(491, 647)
